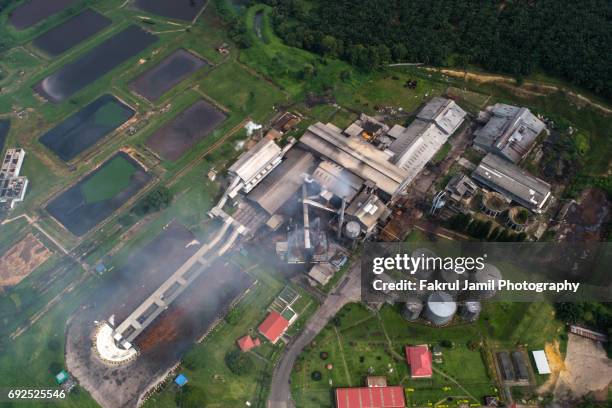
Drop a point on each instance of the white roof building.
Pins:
(539, 357)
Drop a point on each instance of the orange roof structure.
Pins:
(370, 397)
(247, 343)
(419, 358)
(273, 327)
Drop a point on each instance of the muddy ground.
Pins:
(21, 260)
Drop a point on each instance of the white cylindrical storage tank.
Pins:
(440, 308)
(352, 229)
(488, 274)
(470, 310)
(412, 308)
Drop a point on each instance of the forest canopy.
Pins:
(563, 38)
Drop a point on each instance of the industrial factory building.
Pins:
(415, 145)
(509, 131)
(510, 180)
(12, 186)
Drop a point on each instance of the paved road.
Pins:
(349, 290)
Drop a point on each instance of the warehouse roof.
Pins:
(507, 178)
(283, 181)
(251, 162)
(370, 397)
(338, 180)
(416, 145)
(356, 155)
(510, 131)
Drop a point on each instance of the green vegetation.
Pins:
(511, 38)
(108, 181)
(156, 200)
(238, 362)
(358, 343)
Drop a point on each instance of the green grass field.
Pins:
(108, 181)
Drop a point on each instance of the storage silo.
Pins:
(412, 308)
(352, 229)
(470, 310)
(440, 308)
(489, 274)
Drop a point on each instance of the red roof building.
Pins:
(370, 397)
(273, 327)
(247, 343)
(419, 359)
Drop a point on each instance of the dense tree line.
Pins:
(562, 37)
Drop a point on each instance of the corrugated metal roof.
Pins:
(507, 178)
(511, 131)
(357, 156)
(251, 162)
(283, 181)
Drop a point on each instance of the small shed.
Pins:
(539, 356)
(62, 377)
(180, 380)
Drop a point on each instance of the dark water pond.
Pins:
(76, 75)
(71, 32)
(167, 74)
(191, 126)
(34, 11)
(5, 126)
(72, 209)
(86, 127)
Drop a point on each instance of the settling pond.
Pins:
(76, 75)
(86, 127)
(167, 339)
(5, 126)
(167, 74)
(96, 196)
(191, 126)
(178, 9)
(71, 32)
(34, 11)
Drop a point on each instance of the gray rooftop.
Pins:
(416, 145)
(511, 131)
(507, 178)
(355, 155)
(254, 160)
(284, 181)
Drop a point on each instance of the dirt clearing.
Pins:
(21, 259)
(586, 370)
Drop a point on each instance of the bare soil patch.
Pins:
(21, 259)
(587, 370)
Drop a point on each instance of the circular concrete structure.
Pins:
(470, 310)
(488, 274)
(440, 308)
(107, 349)
(494, 203)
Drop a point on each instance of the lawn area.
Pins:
(530, 324)
(33, 359)
(241, 92)
(359, 342)
(109, 181)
